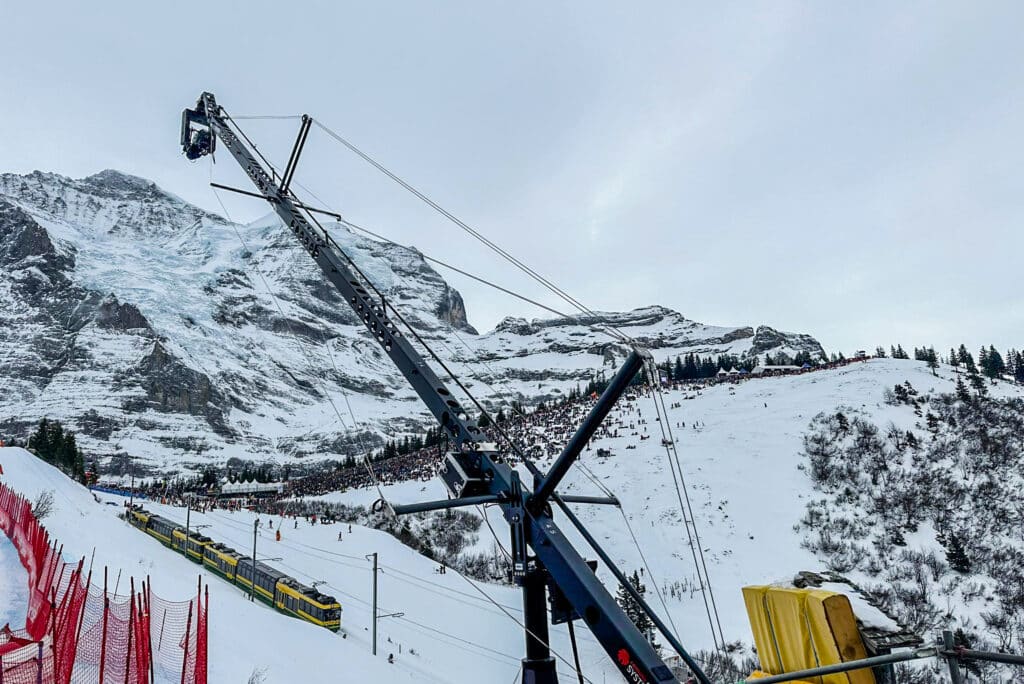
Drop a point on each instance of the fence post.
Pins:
(131, 628)
(103, 640)
(149, 628)
(188, 628)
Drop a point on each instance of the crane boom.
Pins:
(474, 472)
(341, 272)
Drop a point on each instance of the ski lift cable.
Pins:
(613, 332)
(685, 506)
(687, 514)
(667, 426)
(590, 475)
(593, 478)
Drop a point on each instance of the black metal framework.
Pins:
(475, 472)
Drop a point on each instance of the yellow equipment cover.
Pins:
(798, 629)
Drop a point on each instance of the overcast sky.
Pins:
(852, 170)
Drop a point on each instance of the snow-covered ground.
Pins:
(747, 492)
(449, 631)
(13, 586)
(741, 467)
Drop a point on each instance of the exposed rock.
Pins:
(173, 387)
(113, 315)
(136, 318)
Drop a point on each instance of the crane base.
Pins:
(539, 671)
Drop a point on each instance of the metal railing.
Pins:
(947, 650)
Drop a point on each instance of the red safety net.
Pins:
(77, 632)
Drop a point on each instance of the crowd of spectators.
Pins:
(538, 435)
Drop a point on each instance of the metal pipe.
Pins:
(404, 509)
(988, 656)
(631, 590)
(862, 664)
(634, 362)
(606, 500)
(955, 676)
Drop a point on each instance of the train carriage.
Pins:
(193, 548)
(163, 529)
(308, 604)
(221, 559)
(266, 579)
(275, 588)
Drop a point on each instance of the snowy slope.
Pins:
(454, 633)
(148, 326)
(742, 467)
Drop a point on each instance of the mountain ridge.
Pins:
(161, 330)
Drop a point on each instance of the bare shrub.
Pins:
(43, 505)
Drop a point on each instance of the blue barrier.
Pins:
(112, 490)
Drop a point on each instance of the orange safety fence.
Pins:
(76, 631)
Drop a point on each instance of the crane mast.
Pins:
(474, 471)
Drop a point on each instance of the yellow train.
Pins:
(275, 588)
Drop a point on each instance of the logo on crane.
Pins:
(627, 664)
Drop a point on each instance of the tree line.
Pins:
(58, 447)
(990, 363)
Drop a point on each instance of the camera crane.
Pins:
(475, 471)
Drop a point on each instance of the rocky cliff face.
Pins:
(146, 325)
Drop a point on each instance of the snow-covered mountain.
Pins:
(148, 326)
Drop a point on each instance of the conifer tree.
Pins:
(633, 610)
(994, 366)
(961, 390)
(956, 554)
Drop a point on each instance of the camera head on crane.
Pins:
(197, 140)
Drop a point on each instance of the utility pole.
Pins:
(188, 515)
(374, 555)
(188, 531)
(131, 489)
(252, 583)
